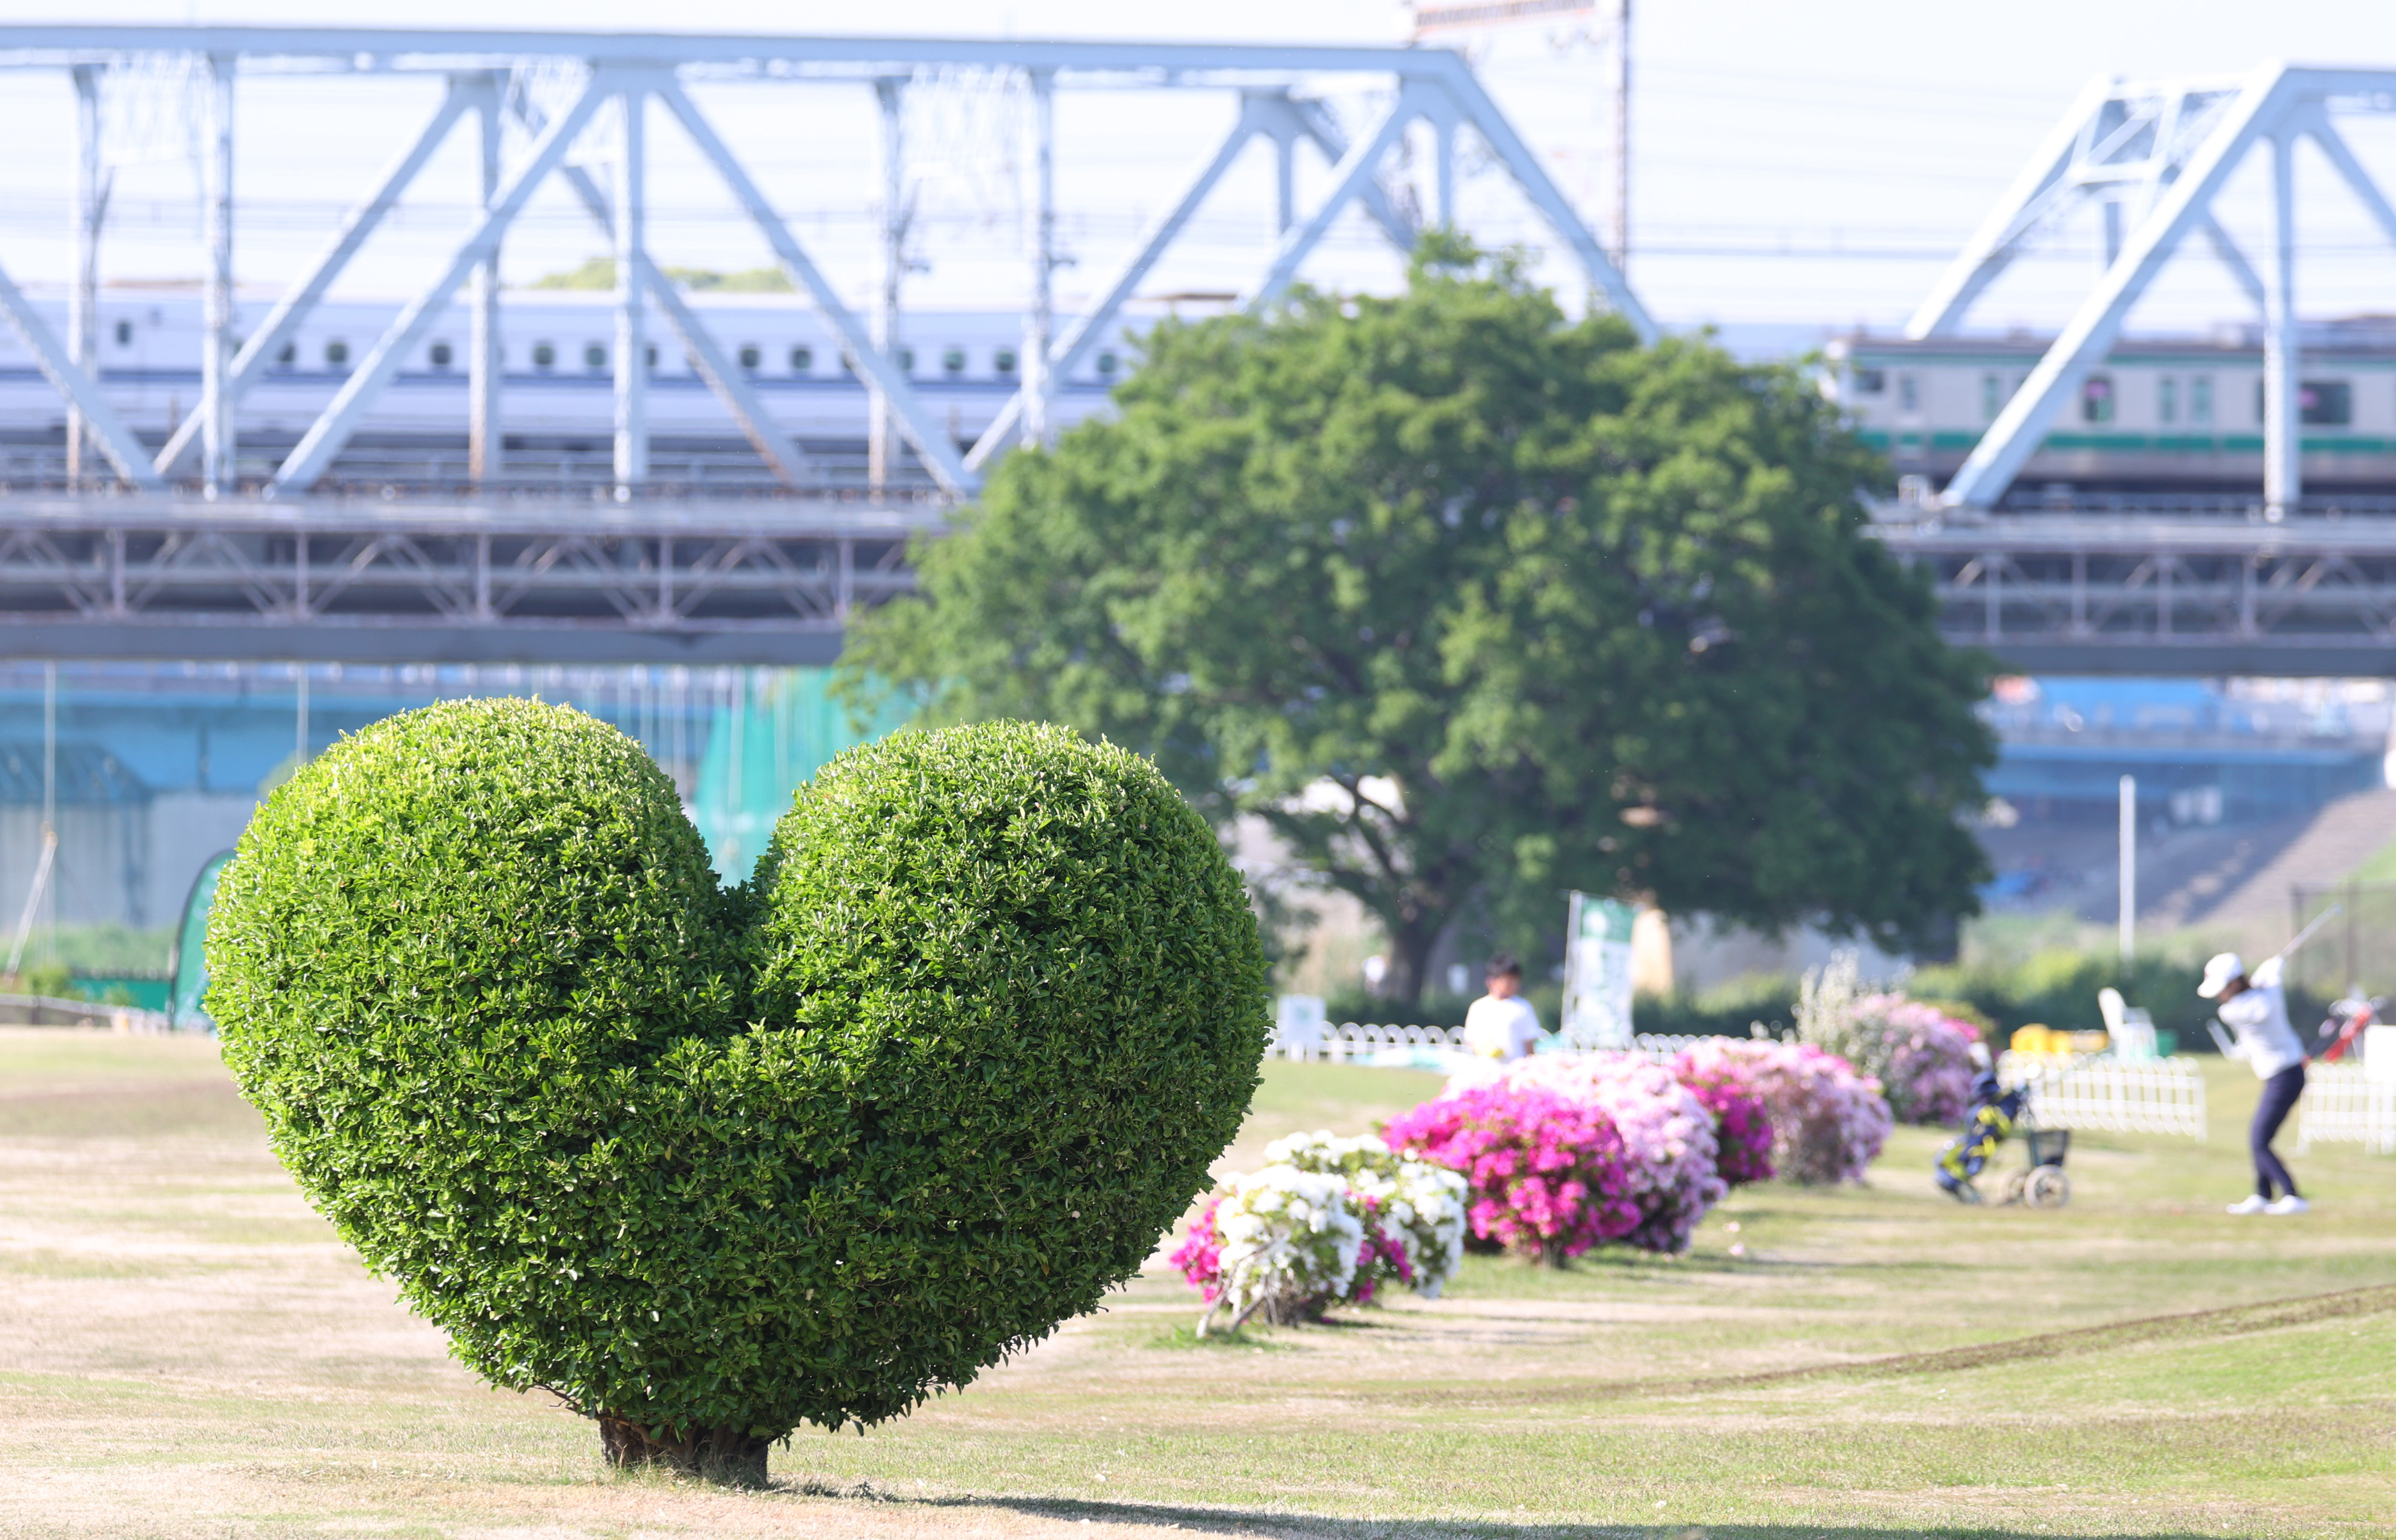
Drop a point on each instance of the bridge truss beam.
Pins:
(737, 582)
(2159, 153)
(2149, 595)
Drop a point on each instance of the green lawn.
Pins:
(184, 1350)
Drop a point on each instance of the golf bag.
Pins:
(1994, 1112)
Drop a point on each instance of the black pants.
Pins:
(2280, 1093)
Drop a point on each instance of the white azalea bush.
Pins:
(1327, 1221)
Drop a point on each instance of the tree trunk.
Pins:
(1410, 950)
(724, 1455)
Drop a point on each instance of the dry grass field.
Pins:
(186, 1350)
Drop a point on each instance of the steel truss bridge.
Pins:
(178, 559)
(506, 82)
(2158, 594)
(2154, 156)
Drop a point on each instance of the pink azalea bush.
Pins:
(1200, 1257)
(1546, 1175)
(1827, 1122)
(1667, 1132)
(1742, 1123)
(1922, 1057)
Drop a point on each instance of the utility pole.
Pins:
(1622, 139)
(90, 207)
(1040, 325)
(881, 428)
(218, 471)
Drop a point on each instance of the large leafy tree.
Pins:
(1473, 604)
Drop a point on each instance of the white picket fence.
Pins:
(1353, 1039)
(2344, 1106)
(2096, 1092)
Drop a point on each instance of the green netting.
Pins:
(758, 754)
(191, 962)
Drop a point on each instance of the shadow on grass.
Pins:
(1298, 1526)
(1244, 1340)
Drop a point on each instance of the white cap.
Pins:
(2224, 968)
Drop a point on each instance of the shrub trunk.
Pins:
(724, 1455)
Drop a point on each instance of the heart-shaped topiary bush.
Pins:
(708, 1164)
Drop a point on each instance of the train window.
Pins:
(2325, 403)
(440, 354)
(289, 355)
(595, 356)
(907, 361)
(1992, 396)
(2166, 400)
(2200, 399)
(1105, 365)
(544, 356)
(337, 353)
(2096, 399)
(653, 356)
(124, 334)
(1908, 394)
(1870, 381)
(750, 355)
(953, 361)
(1002, 361)
(803, 360)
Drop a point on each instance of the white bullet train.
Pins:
(2172, 417)
(556, 410)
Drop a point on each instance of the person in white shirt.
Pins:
(1501, 1024)
(2257, 1009)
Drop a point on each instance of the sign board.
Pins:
(1300, 1020)
(1597, 973)
(2379, 1055)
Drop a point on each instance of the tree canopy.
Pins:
(1471, 604)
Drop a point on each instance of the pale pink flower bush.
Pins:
(1922, 1055)
(1827, 1122)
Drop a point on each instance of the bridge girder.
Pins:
(756, 583)
(2152, 595)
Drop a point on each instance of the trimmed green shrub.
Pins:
(711, 1164)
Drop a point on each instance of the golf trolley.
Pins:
(1996, 1114)
(2042, 1183)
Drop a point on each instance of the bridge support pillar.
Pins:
(216, 447)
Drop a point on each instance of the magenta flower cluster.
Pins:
(1668, 1136)
(1827, 1122)
(1742, 1123)
(1200, 1257)
(1547, 1174)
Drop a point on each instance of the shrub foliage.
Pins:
(713, 1163)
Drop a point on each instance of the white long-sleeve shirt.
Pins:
(2259, 1015)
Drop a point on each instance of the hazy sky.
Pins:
(1806, 162)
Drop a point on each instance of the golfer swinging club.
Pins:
(2257, 1009)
